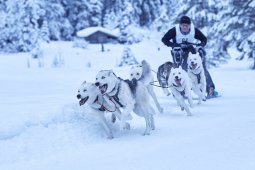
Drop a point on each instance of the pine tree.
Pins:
(245, 26)
(125, 22)
(233, 27)
(3, 34)
(127, 58)
(21, 27)
(59, 26)
(44, 32)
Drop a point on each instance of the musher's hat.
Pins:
(185, 20)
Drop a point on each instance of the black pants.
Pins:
(184, 64)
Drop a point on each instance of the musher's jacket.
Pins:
(177, 37)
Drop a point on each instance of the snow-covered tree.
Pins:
(44, 32)
(125, 23)
(127, 58)
(83, 13)
(233, 26)
(3, 29)
(244, 27)
(251, 39)
(77, 13)
(20, 31)
(59, 26)
(95, 9)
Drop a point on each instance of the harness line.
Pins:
(103, 108)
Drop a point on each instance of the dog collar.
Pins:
(182, 92)
(198, 76)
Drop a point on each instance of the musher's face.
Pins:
(185, 28)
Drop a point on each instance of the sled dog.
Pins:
(180, 86)
(163, 75)
(90, 94)
(142, 72)
(128, 95)
(197, 75)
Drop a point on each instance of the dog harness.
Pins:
(198, 76)
(115, 96)
(102, 107)
(181, 92)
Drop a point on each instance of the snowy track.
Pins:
(43, 128)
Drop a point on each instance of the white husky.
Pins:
(180, 86)
(197, 75)
(143, 73)
(128, 95)
(90, 94)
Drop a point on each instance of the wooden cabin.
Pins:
(98, 35)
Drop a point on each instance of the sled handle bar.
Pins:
(188, 43)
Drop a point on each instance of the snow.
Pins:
(90, 30)
(42, 126)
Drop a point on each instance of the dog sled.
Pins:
(180, 59)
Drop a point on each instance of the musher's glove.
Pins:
(200, 45)
(201, 51)
(185, 45)
(176, 45)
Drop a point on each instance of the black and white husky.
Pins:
(142, 72)
(128, 95)
(197, 75)
(163, 76)
(180, 86)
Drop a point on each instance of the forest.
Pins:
(227, 24)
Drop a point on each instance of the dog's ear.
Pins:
(170, 63)
(144, 62)
(110, 72)
(174, 66)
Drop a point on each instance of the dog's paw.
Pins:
(146, 133)
(110, 135)
(182, 108)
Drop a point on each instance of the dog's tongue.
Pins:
(178, 82)
(83, 101)
(194, 66)
(103, 88)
